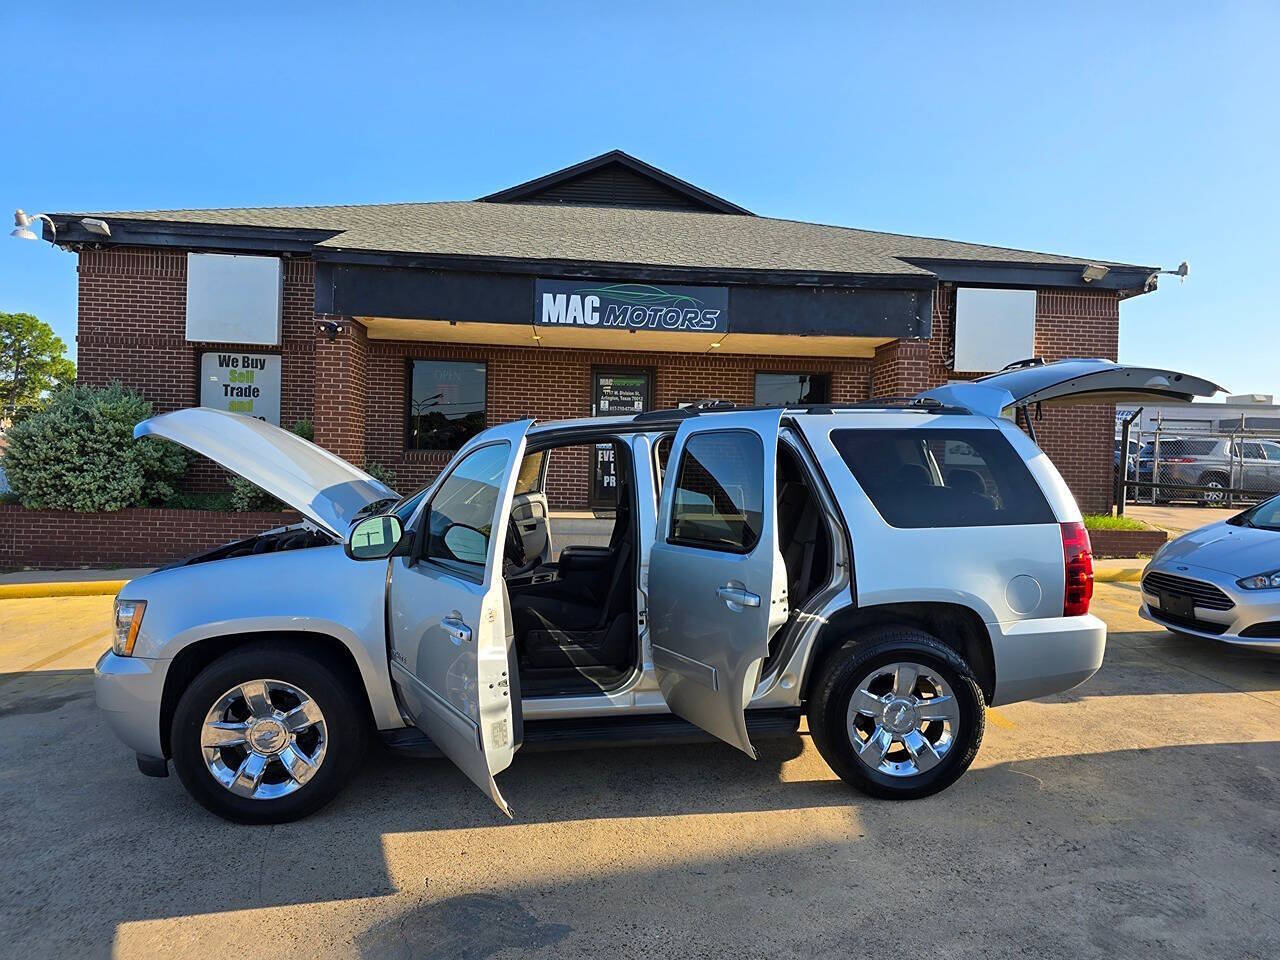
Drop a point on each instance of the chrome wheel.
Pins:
(1213, 492)
(903, 719)
(264, 739)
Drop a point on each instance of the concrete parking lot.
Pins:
(1137, 816)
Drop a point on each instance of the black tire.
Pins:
(838, 679)
(346, 727)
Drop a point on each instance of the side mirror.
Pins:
(466, 543)
(374, 538)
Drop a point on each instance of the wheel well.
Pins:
(957, 626)
(195, 657)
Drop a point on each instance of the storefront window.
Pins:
(446, 404)
(776, 389)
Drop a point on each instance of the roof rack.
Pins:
(683, 413)
(1019, 364)
(918, 404)
(909, 404)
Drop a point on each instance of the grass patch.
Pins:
(1105, 521)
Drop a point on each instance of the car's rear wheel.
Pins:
(897, 714)
(1214, 492)
(267, 734)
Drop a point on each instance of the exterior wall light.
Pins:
(1094, 272)
(22, 225)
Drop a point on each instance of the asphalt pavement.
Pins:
(1136, 816)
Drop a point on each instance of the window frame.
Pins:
(669, 533)
(411, 450)
(422, 535)
(755, 376)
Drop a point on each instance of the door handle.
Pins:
(738, 595)
(458, 631)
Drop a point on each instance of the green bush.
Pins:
(246, 496)
(77, 452)
(379, 472)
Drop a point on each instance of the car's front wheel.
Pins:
(267, 734)
(897, 714)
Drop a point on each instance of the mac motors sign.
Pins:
(665, 308)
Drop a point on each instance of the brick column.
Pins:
(900, 369)
(341, 389)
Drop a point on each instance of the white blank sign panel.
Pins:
(994, 328)
(233, 298)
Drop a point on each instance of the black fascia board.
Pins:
(192, 236)
(522, 190)
(637, 272)
(477, 296)
(1123, 277)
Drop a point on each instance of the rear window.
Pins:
(943, 478)
(1177, 447)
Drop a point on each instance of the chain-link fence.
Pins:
(1210, 466)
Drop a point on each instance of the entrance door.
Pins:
(614, 392)
(717, 586)
(452, 658)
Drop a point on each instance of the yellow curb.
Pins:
(82, 588)
(999, 719)
(1118, 575)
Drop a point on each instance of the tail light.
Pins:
(1078, 555)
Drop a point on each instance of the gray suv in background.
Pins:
(1212, 464)
(885, 571)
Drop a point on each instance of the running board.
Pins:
(644, 730)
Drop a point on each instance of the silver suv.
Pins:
(1213, 465)
(885, 570)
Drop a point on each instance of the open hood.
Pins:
(325, 489)
(1068, 382)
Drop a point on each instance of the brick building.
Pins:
(399, 329)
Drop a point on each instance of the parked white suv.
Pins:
(888, 570)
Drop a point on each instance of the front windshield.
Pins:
(1265, 516)
(406, 507)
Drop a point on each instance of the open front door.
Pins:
(1070, 381)
(717, 586)
(449, 620)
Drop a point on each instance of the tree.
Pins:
(32, 362)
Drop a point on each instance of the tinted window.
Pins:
(719, 496)
(662, 453)
(943, 478)
(777, 389)
(1271, 450)
(446, 404)
(530, 473)
(1176, 447)
(460, 516)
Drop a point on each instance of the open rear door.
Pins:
(717, 587)
(1068, 382)
(449, 622)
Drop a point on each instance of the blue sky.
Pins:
(1142, 133)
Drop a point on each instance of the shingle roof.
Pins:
(607, 235)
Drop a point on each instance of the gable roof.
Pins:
(604, 235)
(610, 211)
(615, 179)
